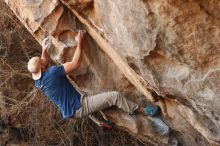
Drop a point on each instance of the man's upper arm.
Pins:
(69, 67)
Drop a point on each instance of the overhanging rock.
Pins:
(146, 36)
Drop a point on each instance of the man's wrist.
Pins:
(80, 43)
(44, 49)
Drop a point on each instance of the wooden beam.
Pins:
(129, 73)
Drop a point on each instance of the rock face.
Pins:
(172, 44)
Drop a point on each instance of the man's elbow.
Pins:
(70, 67)
(78, 65)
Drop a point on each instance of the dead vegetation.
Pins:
(26, 116)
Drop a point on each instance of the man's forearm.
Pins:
(77, 54)
(44, 57)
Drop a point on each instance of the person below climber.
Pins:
(53, 82)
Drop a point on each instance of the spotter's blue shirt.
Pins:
(56, 86)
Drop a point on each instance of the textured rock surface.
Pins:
(172, 44)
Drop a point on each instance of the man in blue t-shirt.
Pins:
(56, 86)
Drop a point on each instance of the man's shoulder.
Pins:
(48, 72)
(52, 67)
(56, 70)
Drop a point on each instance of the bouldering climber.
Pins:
(53, 82)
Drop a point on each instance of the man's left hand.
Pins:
(46, 44)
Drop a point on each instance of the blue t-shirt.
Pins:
(56, 86)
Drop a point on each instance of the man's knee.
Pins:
(116, 93)
(114, 97)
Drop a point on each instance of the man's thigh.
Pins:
(96, 103)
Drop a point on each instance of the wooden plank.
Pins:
(129, 73)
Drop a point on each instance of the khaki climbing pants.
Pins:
(91, 104)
